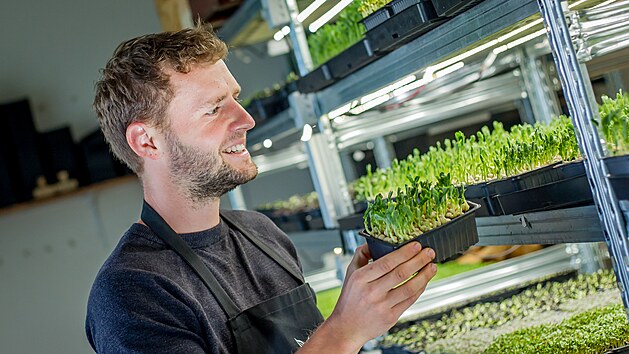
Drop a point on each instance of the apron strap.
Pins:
(262, 246)
(159, 226)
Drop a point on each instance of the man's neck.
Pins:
(180, 213)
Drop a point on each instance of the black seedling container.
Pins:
(361, 206)
(618, 167)
(446, 240)
(398, 6)
(620, 350)
(316, 80)
(376, 18)
(531, 179)
(352, 222)
(292, 223)
(571, 169)
(351, 59)
(314, 219)
(477, 193)
(565, 193)
(451, 8)
(403, 27)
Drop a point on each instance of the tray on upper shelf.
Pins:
(487, 18)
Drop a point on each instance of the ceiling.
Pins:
(252, 29)
(215, 12)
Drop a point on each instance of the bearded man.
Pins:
(188, 277)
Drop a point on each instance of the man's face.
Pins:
(206, 136)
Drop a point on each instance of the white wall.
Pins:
(50, 253)
(51, 52)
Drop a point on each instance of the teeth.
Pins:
(236, 148)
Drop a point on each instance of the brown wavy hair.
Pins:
(134, 87)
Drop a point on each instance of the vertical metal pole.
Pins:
(538, 86)
(383, 151)
(237, 199)
(324, 162)
(580, 97)
(297, 36)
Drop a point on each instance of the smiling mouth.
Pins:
(235, 149)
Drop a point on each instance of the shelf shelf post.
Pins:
(583, 110)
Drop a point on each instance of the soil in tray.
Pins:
(446, 240)
(403, 27)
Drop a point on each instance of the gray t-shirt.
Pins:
(146, 299)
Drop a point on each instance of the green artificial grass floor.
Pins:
(326, 300)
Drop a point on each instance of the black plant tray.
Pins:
(527, 180)
(477, 193)
(351, 59)
(376, 18)
(620, 350)
(316, 80)
(403, 27)
(446, 240)
(352, 222)
(451, 8)
(361, 206)
(569, 192)
(292, 223)
(618, 167)
(398, 6)
(313, 219)
(275, 104)
(571, 169)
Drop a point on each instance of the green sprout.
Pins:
(614, 123)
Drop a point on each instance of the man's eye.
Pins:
(213, 111)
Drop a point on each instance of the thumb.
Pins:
(361, 258)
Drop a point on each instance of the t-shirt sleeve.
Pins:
(133, 311)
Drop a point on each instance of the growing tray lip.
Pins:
(473, 208)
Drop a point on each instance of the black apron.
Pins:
(278, 325)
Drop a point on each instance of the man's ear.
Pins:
(142, 139)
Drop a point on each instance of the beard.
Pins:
(203, 176)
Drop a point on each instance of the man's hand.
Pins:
(370, 303)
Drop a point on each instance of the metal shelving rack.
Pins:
(582, 106)
(475, 27)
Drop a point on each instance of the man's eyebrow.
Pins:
(213, 101)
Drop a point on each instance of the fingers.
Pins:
(391, 261)
(403, 271)
(406, 294)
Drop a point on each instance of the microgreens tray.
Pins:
(453, 7)
(316, 80)
(569, 192)
(403, 27)
(446, 240)
(618, 168)
(351, 59)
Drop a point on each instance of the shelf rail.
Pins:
(583, 110)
